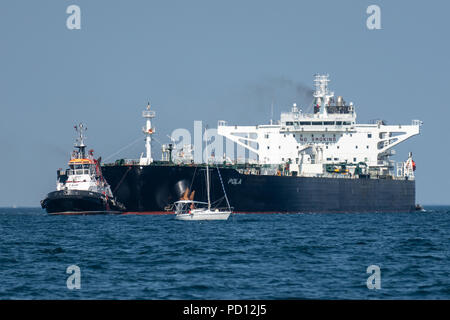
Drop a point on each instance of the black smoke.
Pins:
(279, 91)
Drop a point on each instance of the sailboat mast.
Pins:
(207, 171)
(207, 182)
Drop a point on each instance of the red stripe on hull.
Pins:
(149, 212)
(83, 213)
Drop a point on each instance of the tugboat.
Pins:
(81, 189)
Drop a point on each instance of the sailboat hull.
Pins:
(203, 215)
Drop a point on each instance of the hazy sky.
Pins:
(211, 60)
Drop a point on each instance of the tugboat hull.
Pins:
(80, 202)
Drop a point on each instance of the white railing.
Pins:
(148, 114)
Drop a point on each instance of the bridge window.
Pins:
(369, 135)
(305, 123)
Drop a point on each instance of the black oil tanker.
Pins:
(322, 161)
(154, 187)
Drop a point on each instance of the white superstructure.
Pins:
(84, 172)
(318, 143)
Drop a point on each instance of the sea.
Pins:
(250, 256)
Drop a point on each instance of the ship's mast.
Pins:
(322, 96)
(81, 128)
(148, 131)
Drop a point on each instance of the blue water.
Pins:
(253, 256)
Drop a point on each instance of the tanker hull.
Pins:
(154, 188)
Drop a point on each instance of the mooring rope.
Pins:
(120, 150)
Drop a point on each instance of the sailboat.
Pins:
(188, 209)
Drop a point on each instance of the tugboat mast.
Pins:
(148, 131)
(80, 140)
